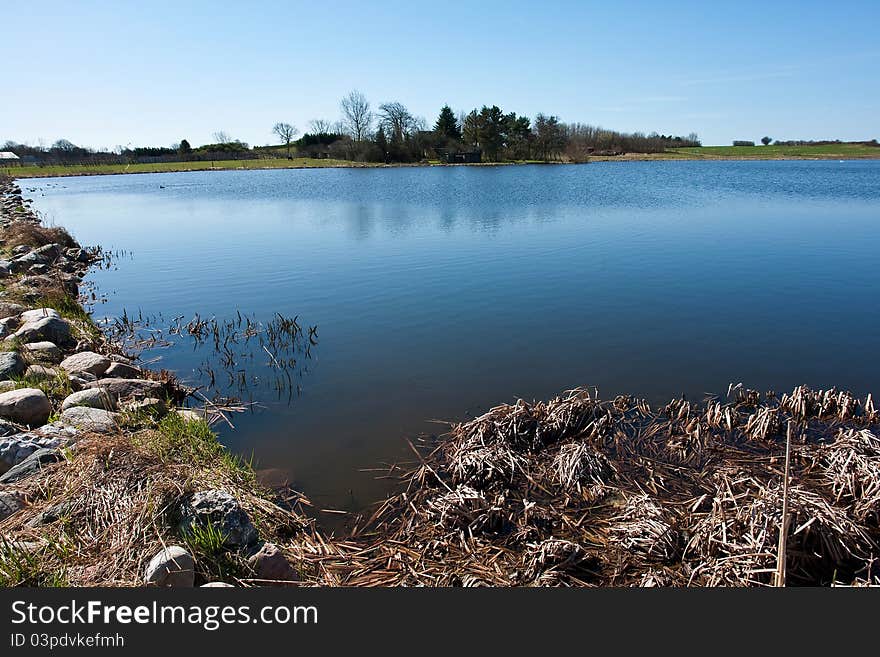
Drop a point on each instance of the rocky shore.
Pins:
(104, 478)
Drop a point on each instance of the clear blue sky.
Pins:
(103, 74)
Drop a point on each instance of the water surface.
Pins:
(439, 292)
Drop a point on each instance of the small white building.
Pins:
(8, 159)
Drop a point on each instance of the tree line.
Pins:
(390, 132)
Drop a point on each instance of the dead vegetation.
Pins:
(98, 517)
(579, 491)
(28, 233)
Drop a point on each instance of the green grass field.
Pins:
(772, 152)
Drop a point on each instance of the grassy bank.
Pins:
(774, 152)
(829, 152)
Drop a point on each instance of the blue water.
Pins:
(439, 292)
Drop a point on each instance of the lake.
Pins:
(440, 292)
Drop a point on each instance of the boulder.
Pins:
(270, 564)
(49, 251)
(11, 364)
(38, 313)
(172, 566)
(33, 463)
(40, 373)
(123, 389)
(86, 361)
(91, 398)
(149, 406)
(10, 309)
(26, 405)
(220, 509)
(50, 514)
(90, 419)
(51, 329)
(17, 448)
(122, 371)
(189, 415)
(44, 351)
(10, 502)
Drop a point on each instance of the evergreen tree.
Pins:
(491, 131)
(446, 125)
(382, 143)
(184, 148)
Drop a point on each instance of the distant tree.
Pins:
(766, 140)
(64, 145)
(382, 143)
(286, 133)
(222, 137)
(517, 136)
(320, 126)
(447, 125)
(184, 148)
(396, 119)
(470, 129)
(356, 115)
(492, 120)
(549, 136)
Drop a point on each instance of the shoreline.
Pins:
(316, 164)
(107, 479)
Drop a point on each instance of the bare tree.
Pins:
(320, 126)
(221, 137)
(286, 133)
(357, 115)
(397, 121)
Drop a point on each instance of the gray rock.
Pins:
(221, 510)
(216, 585)
(123, 371)
(26, 405)
(38, 269)
(5, 268)
(33, 463)
(55, 430)
(11, 364)
(123, 389)
(7, 428)
(40, 373)
(150, 406)
(51, 329)
(50, 251)
(50, 514)
(270, 564)
(90, 419)
(26, 261)
(17, 448)
(189, 415)
(86, 361)
(38, 313)
(11, 309)
(10, 502)
(172, 566)
(21, 249)
(92, 398)
(44, 351)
